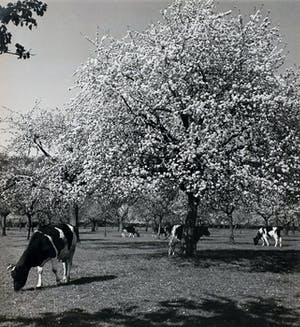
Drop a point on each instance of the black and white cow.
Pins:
(130, 231)
(177, 236)
(48, 243)
(268, 232)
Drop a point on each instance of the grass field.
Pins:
(132, 282)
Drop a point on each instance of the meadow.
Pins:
(132, 282)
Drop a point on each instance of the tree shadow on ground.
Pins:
(212, 311)
(133, 243)
(248, 260)
(275, 261)
(129, 245)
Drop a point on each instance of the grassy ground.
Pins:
(132, 282)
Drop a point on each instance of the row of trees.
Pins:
(23, 195)
(197, 103)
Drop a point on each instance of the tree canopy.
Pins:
(194, 97)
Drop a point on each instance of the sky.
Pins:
(60, 45)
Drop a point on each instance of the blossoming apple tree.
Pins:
(72, 164)
(177, 100)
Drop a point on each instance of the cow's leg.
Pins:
(280, 241)
(182, 248)
(172, 246)
(65, 266)
(171, 251)
(265, 240)
(54, 269)
(40, 273)
(276, 240)
(69, 267)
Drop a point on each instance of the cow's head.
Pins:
(205, 231)
(19, 275)
(256, 238)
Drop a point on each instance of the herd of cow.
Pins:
(58, 242)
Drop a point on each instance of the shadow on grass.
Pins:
(133, 242)
(78, 281)
(91, 279)
(131, 245)
(250, 259)
(275, 261)
(211, 311)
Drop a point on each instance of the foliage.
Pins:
(25, 191)
(184, 112)
(156, 207)
(19, 13)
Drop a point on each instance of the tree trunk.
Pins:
(74, 217)
(231, 235)
(105, 228)
(276, 219)
(29, 225)
(159, 227)
(287, 228)
(229, 212)
(121, 224)
(76, 213)
(123, 212)
(94, 224)
(3, 224)
(266, 219)
(293, 228)
(190, 222)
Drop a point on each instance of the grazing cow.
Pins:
(49, 242)
(130, 231)
(177, 236)
(267, 232)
